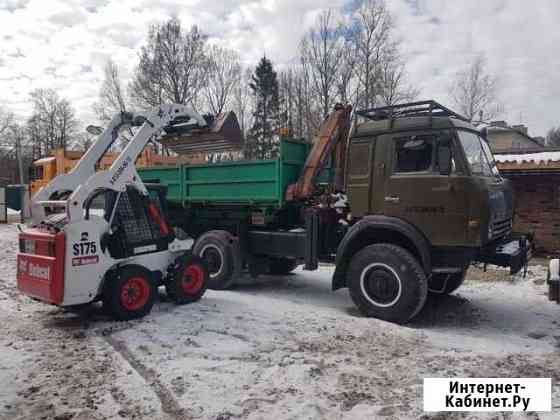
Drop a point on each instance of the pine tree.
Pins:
(262, 140)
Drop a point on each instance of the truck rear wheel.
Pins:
(130, 293)
(387, 282)
(217, 251)
(189, 280)
(282, 266)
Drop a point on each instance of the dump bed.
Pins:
(236, 182)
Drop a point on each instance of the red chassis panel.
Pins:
(42, 276)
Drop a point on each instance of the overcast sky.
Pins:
(63, 44)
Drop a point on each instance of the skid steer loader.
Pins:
(104, 235)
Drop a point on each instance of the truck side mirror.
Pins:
(444, 158)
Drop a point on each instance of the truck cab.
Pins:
(426, 200)
(430, 171)
(440, 176)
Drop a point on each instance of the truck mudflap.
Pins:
(553, 280)
(513, 252)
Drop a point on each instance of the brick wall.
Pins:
(537, 208)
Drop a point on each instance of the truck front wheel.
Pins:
(387, 282)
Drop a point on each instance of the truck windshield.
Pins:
(478, 154)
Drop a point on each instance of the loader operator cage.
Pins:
(135, 231)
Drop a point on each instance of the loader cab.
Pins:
(138, 223)
(432, 169)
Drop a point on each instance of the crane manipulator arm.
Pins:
(82, 180)
(332, 136)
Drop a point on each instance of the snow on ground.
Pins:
(276, 348)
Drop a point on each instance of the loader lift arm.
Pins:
(332, 136)
(82, 180)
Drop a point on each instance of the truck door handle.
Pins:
(390, 199)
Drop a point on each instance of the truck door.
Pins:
(359, 175)
(417, 192)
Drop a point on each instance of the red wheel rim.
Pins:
(135, 293)
(193, 279)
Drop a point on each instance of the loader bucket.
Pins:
(222, 134)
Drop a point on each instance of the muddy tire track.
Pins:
(169, 404)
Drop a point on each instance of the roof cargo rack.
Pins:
(411, 109)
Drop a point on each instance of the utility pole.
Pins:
(18, 156)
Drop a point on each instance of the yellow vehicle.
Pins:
(44, 170)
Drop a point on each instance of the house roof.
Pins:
(530, 161)
(510, 129)
(44, 160)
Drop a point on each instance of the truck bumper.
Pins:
(513, 252)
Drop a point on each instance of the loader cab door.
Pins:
(139, 224)
(420, 190)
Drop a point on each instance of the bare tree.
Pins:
(53, 123)
(371, 32)
(321, 51)
(393, 88)
(172, 66)
(112, 95)
(242, 100)
(224, 73)
(553, 137)
(346, 76)
(474, 91)
(6, 119)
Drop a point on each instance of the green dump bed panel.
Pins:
(169, 176)
(237, 182)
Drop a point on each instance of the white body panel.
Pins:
(86, 264)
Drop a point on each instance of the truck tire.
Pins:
(217, 250)
(188, 281)
(387, 282)
(453, 283)
(129, 293)
(281, 266)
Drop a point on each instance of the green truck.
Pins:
(420, 200)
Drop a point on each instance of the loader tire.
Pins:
(188, 281)
(129, 293)
(217, 249)
(281, 266)
(387, 282)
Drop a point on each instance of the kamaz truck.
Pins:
(401, 199)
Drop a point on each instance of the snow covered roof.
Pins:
(44, 160)
(539, 157)
(546, 160)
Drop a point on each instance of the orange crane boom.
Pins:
(332, 136)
